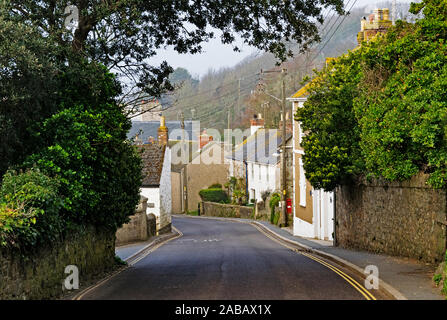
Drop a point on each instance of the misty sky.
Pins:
(216, 55)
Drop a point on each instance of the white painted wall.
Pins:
(153, 196)
(261, 177)
(161, 197)
(165, 191)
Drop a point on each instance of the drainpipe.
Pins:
(335, 218)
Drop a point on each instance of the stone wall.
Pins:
(141, 226)
(40, 274)
(165, 194)
(403, 219)
(136, 228)
(225, 210)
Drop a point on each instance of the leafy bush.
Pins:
(274, 203)
(86, 149)
(381, 110)
(29, 209)
(214, 195)
(100, 173)
(238, 190)
(215, 186)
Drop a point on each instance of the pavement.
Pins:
(127, 251)
(222, 260)
(410, 278)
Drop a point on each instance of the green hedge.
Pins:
(274, 203)
(214, 195)
(380, 111)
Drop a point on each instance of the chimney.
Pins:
(162, 132)
(386, 14)
(204, 139)
(378, 22)
(256, 123)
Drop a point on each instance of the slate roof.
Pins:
(153, 157)
(149, 128)
(253, 150)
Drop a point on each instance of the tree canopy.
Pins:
(65, 160)
(381, 110)
(123, 35)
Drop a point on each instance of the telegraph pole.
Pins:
(283, 214)
(284, 163)
(182, 124)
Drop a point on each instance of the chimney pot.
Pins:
(162, 132)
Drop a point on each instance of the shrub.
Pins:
(29, 209)
(214, 195)
(100, 172)
(381, 110)
(274, 203)
(215, 186)
(238, 190)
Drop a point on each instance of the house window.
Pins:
(302, 184)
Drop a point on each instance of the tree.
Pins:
(381, 110)
(331, 144)
(124, 34)
(60, 115)
(181, 75)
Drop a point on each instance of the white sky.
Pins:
(216, 55)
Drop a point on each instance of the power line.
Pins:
(191, 106)
(220, 87)
(336, 29)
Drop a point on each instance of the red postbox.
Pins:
(289, 206)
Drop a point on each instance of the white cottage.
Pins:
(257, 160)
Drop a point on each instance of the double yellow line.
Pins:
(347, 278)
(350, 280)
(131, 261)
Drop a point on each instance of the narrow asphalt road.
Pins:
(218, 260)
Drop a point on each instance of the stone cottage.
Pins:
(156, 185)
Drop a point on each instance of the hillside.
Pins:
(227, 94)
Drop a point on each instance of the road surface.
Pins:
(220, 260)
